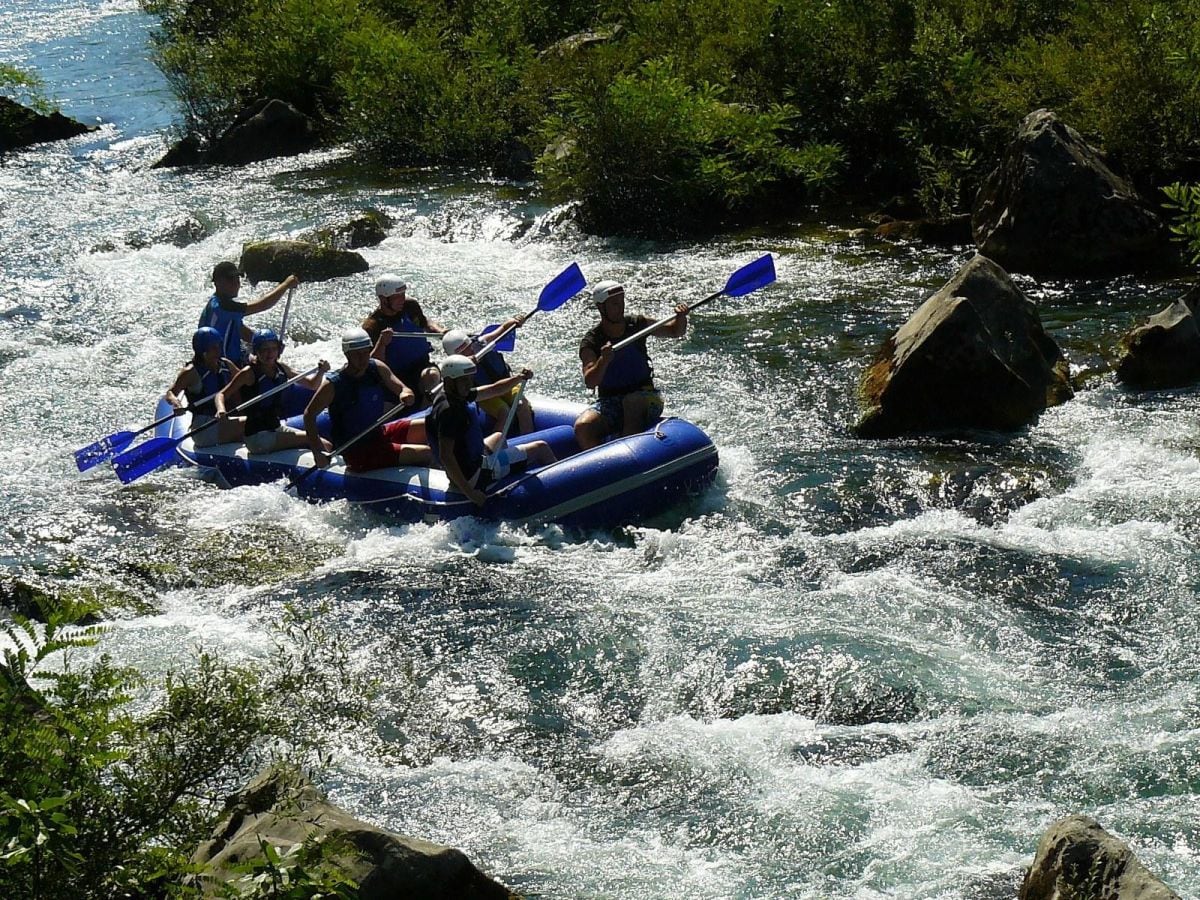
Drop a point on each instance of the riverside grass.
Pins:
(687, 115)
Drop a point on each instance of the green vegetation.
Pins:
(1184, 201)
(108, 781)
(685, 115)
(24, 88)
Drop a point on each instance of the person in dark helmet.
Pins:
(205, 375)
(225, 312)
(264, 426)
(628, 401)
(455, 435)
(356, 397)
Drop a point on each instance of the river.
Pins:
(851, 669)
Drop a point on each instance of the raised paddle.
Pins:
(287, 308)
(157, 452)
(505, 342)
(749, 277)
(565, 285)
(382, 420)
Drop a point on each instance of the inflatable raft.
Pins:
(621, 481)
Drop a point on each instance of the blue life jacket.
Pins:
(468, 436)
(266, 414)
(210, 383)
(405, 353)
(229, 323)
(629, 370)
(357, 402)
(490, 368)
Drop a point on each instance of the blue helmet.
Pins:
(203, 339)
(263, 336)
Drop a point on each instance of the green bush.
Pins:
(1183, 203)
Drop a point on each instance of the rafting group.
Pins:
(390, 419)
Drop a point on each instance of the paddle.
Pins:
(97, 452)
(503, 445)
(382, 420)
(506, 341)
(157, 452)
(565, 285)
(749, 277)
(287, 308)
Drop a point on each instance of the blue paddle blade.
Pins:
(144, 458)
(507, 343)
(751, 277)
(96, 453)
(566, 284)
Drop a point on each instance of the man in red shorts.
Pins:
(356, 396)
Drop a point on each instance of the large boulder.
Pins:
(263, 130)
(276, 260)
(366, 230)
(1078, 860)
(1165, 351)
(21, 126)
(1053, 208)
(974, 355)
(283, 808)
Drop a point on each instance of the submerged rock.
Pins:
(21, 126)
(1078, 860)
(280, 806)
(952, 231)
(1054, 208)
(1165, 351)
(973, 356)
(276, 260)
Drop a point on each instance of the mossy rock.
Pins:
(367, 230)
(276, 260)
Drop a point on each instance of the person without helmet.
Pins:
(490, 368)
(628, 400)
(355, 396)
(398, 314)
(265, 430)
(225, 312)
(456, 437)
(207, 373)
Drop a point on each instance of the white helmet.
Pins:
(455, 341)
(455, 366)
(606, 289)
(356, 339)
(386, 285)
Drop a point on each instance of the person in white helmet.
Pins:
(398, 314)
(628, 401)
(355, 396)
(456, 436)
(490, 368)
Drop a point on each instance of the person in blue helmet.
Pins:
(265, 429)
(204, 376)
(356, 397)
(456, 438)
(398, 315)
(628, 401)
(225, 312)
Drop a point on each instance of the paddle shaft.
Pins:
(247, 404)
(500, 335)
(625, 342)
(512, 414)
(287, 308)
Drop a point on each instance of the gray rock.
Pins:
(276, 260)
(191, 229)
(583, 40)
(1078, 860)
(263, 130)
(1165, 351)
(1054, 208)
(21, 126)
(282, 807)
(367, 230)
(973, 356)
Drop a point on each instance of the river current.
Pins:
(851, 669)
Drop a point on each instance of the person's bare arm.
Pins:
(593, 365)
(455, 473)
(271, 297)
(227, 393)
(503, 386)
(317, 405)
(402, 391)
(677, 327)
(176, 393)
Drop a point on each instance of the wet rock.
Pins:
(191, 229)
(367, 230)
(21, 126)
(973, 356)
(1164, 352)
(283, 808)
(264, 130)
(1054, 208)
(276, 260)
(953, 231)
(850, 750)
(1077, 859)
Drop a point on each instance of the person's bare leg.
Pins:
(590, 429)
(636, 411)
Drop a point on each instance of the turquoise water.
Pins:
(851, 669)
